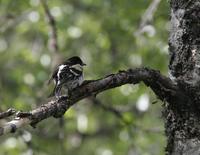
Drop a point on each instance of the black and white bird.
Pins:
(68, 75)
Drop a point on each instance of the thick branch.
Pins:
(163, 87)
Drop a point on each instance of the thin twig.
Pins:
(52, 25)
(148, 15)
(109, 108)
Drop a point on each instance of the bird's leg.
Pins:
(58, 92)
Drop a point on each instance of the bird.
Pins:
(68, 75)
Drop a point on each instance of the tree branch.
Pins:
(162, 86)
(109, 108)
(7, 113)
(148, 15)
(52, 25)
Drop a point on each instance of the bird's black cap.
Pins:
(74, 60)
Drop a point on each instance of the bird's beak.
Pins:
(83, 64)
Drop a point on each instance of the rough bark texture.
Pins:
(163, 87)
(183, 118)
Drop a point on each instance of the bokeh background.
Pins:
(109, 36)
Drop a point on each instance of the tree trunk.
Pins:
(183, 119)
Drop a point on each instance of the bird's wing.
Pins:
(53, 76)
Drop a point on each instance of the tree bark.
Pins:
(182, 120)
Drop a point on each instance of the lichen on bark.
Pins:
(182, 120)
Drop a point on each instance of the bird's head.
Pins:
(75, 60)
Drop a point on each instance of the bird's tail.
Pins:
(56, 91)
(51, 95)
(49, 81)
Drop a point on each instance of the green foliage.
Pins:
(104, 34)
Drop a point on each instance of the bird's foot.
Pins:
(63, 97)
